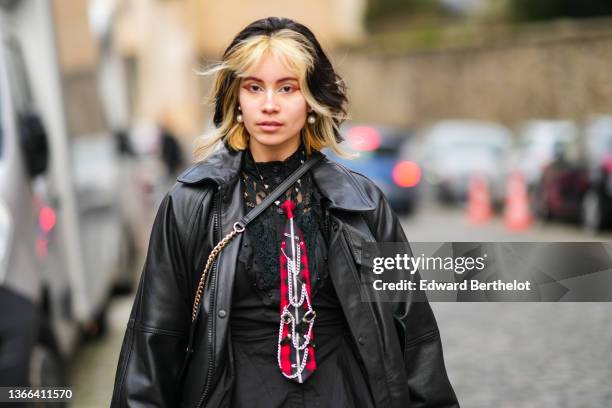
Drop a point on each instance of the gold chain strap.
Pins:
(211, 258)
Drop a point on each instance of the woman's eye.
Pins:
(287, 88)
(253, 87)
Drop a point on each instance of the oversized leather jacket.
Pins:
(398, 343)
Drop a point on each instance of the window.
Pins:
(19, 86)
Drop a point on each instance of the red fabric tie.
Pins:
(296, 355)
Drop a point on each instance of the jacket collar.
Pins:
(335, 182)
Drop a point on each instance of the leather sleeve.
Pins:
(416, 326)
(154, 344)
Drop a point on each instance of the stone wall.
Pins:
(564, 76)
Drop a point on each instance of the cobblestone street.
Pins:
(512, 355)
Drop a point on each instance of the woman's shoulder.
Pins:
(219, 168)
(189, 195)
(348, 183)
(204, 177)
(182, 202)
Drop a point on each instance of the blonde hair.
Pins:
(300, 55)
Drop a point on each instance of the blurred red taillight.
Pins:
(46, 219)
(607, 163)
(406, 174)
(363, 138)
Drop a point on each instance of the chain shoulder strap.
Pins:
(209, 262)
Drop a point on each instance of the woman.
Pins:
(274, 329)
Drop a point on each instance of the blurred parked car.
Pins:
(454, 151)
(380, 154)
(578, 184)
(537, 145)
(102, 179)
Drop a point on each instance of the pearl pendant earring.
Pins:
(239, 116)
(312, 119)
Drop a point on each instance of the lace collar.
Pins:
(273, 169)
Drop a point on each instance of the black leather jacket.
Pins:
(398, 343)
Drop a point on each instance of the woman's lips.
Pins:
(269, 126)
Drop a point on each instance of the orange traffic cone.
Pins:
(517, 215)
(479, 200)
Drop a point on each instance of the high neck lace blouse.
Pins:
(259, 179)
(255, 312)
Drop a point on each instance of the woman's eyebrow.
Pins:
(287, 79)
(252, 78)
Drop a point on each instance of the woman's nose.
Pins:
(270, 104)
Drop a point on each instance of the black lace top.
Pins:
(257, 283)
(267, 229)
(255, 313)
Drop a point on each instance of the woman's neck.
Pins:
(262, 153)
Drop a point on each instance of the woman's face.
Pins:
(273, 109)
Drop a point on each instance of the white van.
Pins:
(64, 240)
